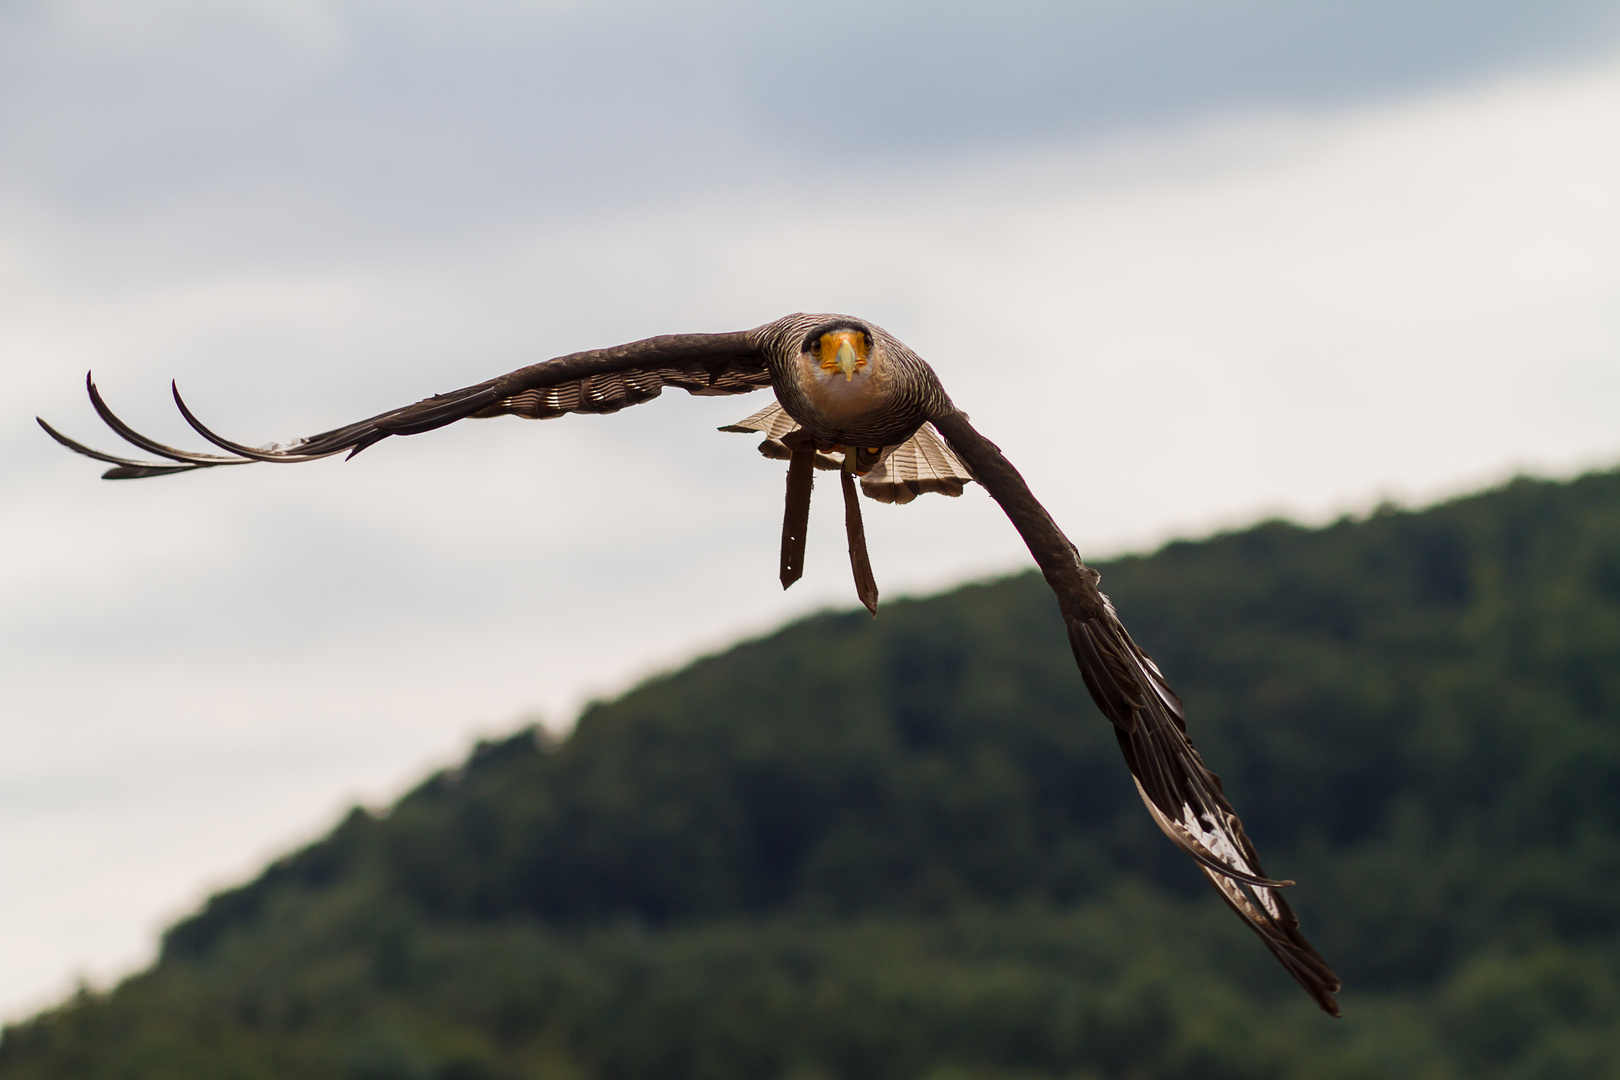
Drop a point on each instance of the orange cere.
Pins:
(827, 348)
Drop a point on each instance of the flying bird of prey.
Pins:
(851, 397)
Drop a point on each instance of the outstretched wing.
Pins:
(598, 381)
(1182, 794)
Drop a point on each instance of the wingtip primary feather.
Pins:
(124, 468)
(245, 453)
(142, 472)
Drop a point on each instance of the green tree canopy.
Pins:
(908, 848)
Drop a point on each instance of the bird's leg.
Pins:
(865, 584)
(801, 477)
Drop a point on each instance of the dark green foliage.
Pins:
(908, 848)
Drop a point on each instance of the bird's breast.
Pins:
(843, 402)
(869, 409)
(838, 401)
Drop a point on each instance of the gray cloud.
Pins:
(394, 120)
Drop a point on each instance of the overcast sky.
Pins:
(1189, 264)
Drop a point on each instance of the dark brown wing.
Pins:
(1182, 794)
(598, 381)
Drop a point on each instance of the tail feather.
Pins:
(921, 465)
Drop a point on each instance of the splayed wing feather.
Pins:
(130, 468)
(135, 438)
(126, 468)
(248, 452)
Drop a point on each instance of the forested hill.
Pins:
(908, 847)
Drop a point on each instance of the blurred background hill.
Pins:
(907, 847)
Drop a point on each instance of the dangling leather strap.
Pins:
(865, 584)
(801, 478)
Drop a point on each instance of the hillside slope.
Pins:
(907, 847)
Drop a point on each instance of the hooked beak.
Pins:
(842, 350)
(846, 360)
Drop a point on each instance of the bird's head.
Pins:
(841, 374)
(839, 349)
(842, 371)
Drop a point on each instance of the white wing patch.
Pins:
(1219, 844)
(1196, 834)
